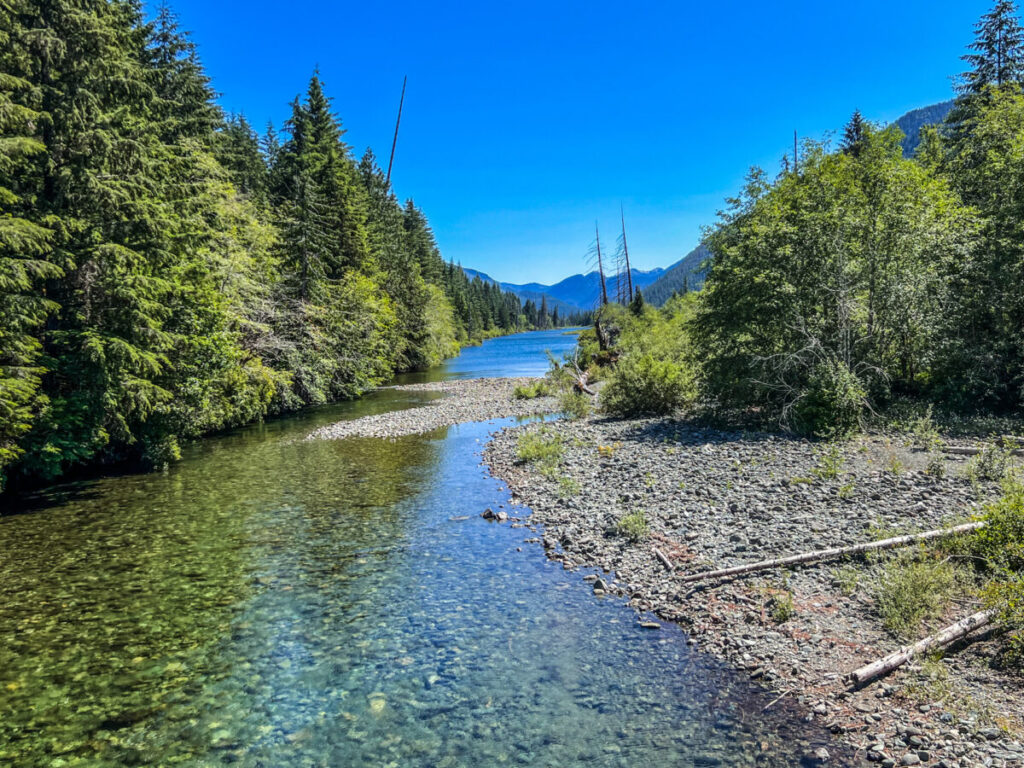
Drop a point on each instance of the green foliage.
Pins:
(633, 526)
(830, 462)
(644, 385)
(826, 288)
(781, 607)
(912, 589)
(992, 464)
(540, 446)
(537, 389)
(575, 405)
(832, 402)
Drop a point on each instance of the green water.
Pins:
(271, 601)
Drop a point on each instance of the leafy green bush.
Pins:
(832, 403)
(992, 464)
(633, 526)
(575, 405)
(911, 590)
(539, 388)
(645, 385)
(538, 447)
(781, 606)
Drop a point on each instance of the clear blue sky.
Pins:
(524, 122)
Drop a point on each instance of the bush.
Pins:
(832, 403)
(540, 447)
(575, 405)
(539, 388)
(633, 526)
(912, 590)
(644, 385)
(992, 464)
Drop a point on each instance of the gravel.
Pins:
(714, 499)
(464, 400)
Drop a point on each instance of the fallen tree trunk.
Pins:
(940, 639)
(968, 450)
(826, 554)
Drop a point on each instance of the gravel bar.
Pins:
(715, 499)
(464, 400)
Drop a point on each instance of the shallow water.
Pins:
(275, 602)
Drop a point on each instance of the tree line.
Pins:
(165, 271)
(856, 277)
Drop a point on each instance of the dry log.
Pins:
(664, 560)
(827, 554)
(940, 639)
(969, 450)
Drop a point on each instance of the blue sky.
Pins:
(524, 122)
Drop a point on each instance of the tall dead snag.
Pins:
(827, 554)
(625, 250)
(398, 122)
(940, 639)
(600, 267)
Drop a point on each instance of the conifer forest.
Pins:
(167, 271)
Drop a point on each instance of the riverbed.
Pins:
(276, 601)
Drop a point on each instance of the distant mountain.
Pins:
(687, 273)
(573, 294)
(912, 123)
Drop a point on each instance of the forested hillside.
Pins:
(166, 272)
(682, 277)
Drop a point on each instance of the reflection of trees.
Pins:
(161, 597)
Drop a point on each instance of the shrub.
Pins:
(781, 607)
(832, 403)
(633, 526)
(992, 464)
(924, 435)
(830, 463)
(531, 391)
(1000, 544)
(575, 405)
(912, 590)
(541, 447)
(645, 385)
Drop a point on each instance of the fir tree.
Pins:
(855, 134)
(998, 51)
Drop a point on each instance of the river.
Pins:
(270, 601)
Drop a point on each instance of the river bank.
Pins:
(717, 499)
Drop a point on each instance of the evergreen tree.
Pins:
(998, 51)
(25, 249)
(855, 134)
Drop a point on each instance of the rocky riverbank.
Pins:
(715, 499)
(463, 400)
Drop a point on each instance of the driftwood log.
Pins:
(940, 639)
(969, 450)
(828, 554)
(664, 560)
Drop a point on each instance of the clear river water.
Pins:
(271, 601)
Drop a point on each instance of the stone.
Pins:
(911, 758)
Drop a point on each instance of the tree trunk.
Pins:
(826, 554)
(940, 639)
